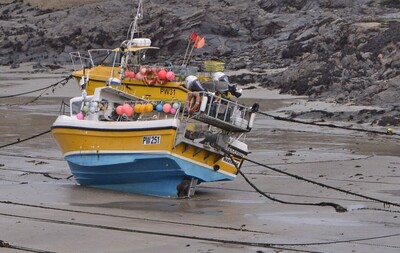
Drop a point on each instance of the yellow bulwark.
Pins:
(76, 140)
(99, 75)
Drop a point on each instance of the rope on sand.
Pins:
(26, 139)
(63, 82)
(326, 125)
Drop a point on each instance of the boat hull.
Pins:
(153, 174)
(122, 156)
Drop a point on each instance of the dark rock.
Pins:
(14, 66)
(338, 50)
(389, 121)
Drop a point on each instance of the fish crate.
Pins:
(182, 72)
(214, 66)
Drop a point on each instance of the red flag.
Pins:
(200, 42)
(194, 36)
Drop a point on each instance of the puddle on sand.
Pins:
(355, 207)
(392, 192)
(300, 219)
(294, 140)
(242, 201)
(266, 105)
(18, 123)
(156, 206)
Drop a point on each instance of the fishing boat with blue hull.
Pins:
(118, 141)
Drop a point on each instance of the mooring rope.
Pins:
(337, 207)
(62, 82)
(325, 125)
(26, 139)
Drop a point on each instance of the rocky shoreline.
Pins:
(345, 52)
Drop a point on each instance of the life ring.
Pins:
(196, 96)
(146, 78)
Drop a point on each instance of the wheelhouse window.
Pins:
(113, 56)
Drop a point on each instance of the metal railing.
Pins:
(217, 111)
(94, 57)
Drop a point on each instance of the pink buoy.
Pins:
(119, 110)
(139, 76)
(173, 111)
(127, 109)
(80, 116)
(162, 74)
(143, 71)
(130, 74)
(170, 75)
(129, 112)
(166, 108)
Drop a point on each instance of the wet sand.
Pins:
(42, 208)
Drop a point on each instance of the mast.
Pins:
(134, 27)
(132, 41)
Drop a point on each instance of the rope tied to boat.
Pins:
(26, 139)
(337, 207)
(63, 82)
(327, 125)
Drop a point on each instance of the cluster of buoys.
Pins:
(143, 108)
(162, 74)
(151, 76)
(128, 109)
(88, 107)
(138, 108)
(168, 108)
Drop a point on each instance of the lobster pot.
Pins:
(240, 122)
(214, 66)
(182, 72)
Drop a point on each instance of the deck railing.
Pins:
(220, 112)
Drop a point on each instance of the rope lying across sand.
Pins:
(26, 139)
(326, 125)
(63, 82)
